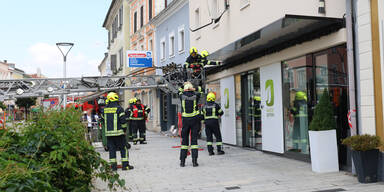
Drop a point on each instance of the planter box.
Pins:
(366, 164)
(324, 157)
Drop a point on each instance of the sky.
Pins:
(30, 29)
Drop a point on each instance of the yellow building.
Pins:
(117, 24)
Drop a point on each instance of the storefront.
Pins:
(268, 93)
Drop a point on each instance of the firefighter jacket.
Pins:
(189, 102)
(194, 63)
(299, 108)
(212, 110)
(138, 112)
(114, 119)
(205, 61)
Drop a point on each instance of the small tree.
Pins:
(26, 103)
(323, 118)
(2, 106)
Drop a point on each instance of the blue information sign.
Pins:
(139, 58)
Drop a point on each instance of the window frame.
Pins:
(181, 39)
(171, 44)
(141, 16)
(162, 49)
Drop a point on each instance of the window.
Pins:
(135, 22)
(172, 44)
(197, 18)
(120, 17)
(244, 4)
(150, 9)
(121, 59)
(109, 39)
(162, 49)
(141, 16)
(150, 45)
(181, 40)
(113, 64)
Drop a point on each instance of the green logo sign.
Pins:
(226, 94)
(270, 93)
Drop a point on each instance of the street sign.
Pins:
(139, 58)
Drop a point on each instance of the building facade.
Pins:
(172, 45)
(142, 38)
(117, 23)
(369, 60)
(270, 58)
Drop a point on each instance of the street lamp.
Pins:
(60, 46)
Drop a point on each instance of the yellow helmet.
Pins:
(204, 53)
(112, 96)
(211, 96)
(131, 101)
(300, 95)
(192, 50)
(257, 98)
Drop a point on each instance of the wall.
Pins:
(180, 19)
(365, 70)
(235, 23)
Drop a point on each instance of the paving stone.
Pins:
(157, 169)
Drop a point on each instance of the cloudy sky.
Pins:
(29, 31)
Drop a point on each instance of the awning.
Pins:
(281, 34)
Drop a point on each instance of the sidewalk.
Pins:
(157, 169)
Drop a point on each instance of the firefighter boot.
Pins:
(182, 163)
(219, 151)
(210, 150)
(126, 166)
(143, 142)
(194, 162)
(114, 166)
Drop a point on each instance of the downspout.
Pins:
(352, 68)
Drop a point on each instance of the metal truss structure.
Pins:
(16, 88)
(174, 75)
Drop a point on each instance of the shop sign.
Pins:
(228, 120)
(139, 58)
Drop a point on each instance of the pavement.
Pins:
(157, 169)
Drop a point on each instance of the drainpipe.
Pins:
(352, 64)
(353, 72)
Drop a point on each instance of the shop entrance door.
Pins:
(251, 114)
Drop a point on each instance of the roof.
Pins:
(281, 34)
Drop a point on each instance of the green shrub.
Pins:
(323, 118)
(51, 154)
(363, 142)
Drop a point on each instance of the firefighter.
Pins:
(212, 112)
(137, 116)
(205, 61)
(194, 62)
(102, 102)
(129, 122)
(142, 126)
(257, 115)
(300, 125)
(190, 117)
(115, 125)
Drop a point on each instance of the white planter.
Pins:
(324, 157)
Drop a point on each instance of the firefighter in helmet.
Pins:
(115, 126)
(129, 121)
(300, 125)
(142, 127)
(257, 115)
(205, 61)
(194, 62)
(137, 117)
(212, 112)
(190, 116)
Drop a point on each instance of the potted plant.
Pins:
(322, 137)
(365, 155)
